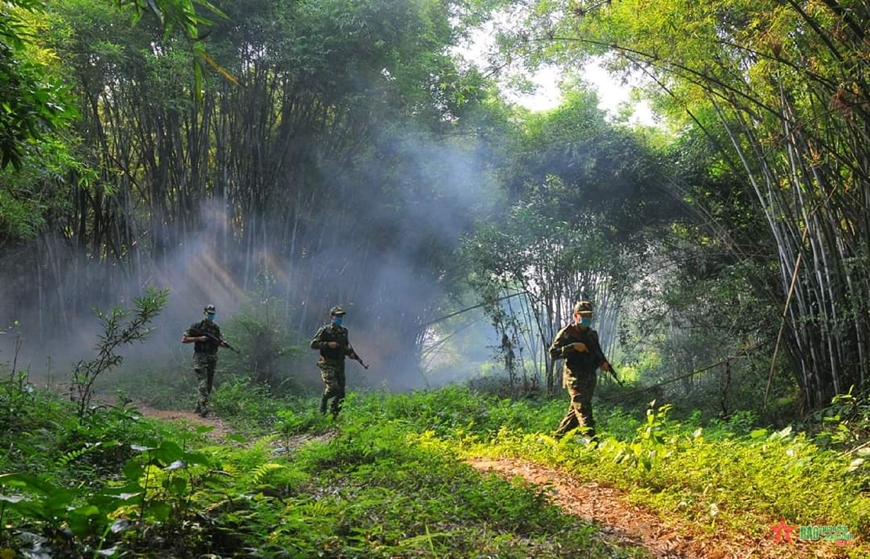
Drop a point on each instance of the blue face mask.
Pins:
(586, 321)
(336, 320)
(210, 317)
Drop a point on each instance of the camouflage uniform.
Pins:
(331, 362)
(204, 359)
(578, 374)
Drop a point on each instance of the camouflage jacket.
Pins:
(203, 327)
(332, 333)
(578, 362)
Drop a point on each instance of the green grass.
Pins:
(117, 483)
(715, 474)
(387, 479)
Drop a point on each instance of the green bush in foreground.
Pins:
(370, 490)
(720, 475)
(728, 474)
(386, 479)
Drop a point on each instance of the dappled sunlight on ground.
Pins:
(626, 524)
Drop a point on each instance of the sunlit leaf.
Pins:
(140, 448)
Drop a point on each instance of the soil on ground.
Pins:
(624, 523)
(608, 508)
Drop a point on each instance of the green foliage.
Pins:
(396, 493)
(158, 387)
(159, 486)
(845, 426)
(725, 475)
(386, 480)
(672, 315)
(358, 104)
(175, 13)
(305, 420)
(239, 397)
(35, 102)
(120, 327)
(259, 331)
(582, 205)
(649, 448)
(377, 488)
(39, 188)
(65, 497)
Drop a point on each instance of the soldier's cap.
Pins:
(583, 307)
(337, 311)
(209, 309)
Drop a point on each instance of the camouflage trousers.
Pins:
(204, 365)
(580, 388)
(332, 373)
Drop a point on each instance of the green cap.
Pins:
(337, 311)
(583, 307)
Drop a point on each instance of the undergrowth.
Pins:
(729, 475)
(118, 484)
(716, 474)
(387, 480)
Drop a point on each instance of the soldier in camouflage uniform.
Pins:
(206, 337)
(578, 345)
(334, 346)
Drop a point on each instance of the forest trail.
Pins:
(221, 428)
(219, 433)
(618, 521)
(623, 523)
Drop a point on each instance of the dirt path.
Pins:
(222, 429)
(219, 433)
(623, 523)
(619, 521)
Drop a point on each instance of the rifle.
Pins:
(576, 334)
(357, 358)
(220, 342)
(612, 371)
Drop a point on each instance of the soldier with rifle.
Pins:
(578, 345)
(332, 342)
(206, 337)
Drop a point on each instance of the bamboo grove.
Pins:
(780, 88)
(274, 164)
(347, 148)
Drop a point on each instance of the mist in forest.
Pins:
(389, 274)
(335, 175)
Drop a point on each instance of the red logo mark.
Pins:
(782, 531)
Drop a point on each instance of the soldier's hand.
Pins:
(202, 339)
(332, 345)
(606, 366)
(579, 347)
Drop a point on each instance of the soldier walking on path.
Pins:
(332, 341)
(578, 345)
(206, 338)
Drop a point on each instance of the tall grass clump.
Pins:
(722, 474)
